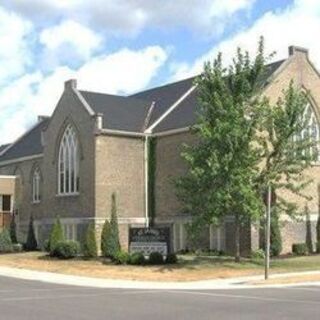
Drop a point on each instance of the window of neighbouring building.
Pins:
(68, 166)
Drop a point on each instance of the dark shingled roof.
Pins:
(129, 113)
(28, 145)
(120, 113)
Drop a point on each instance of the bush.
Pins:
(31, 244)
(137, 258)
(5, 242)
(13, 229)
(257, 255)
(111, 243)
(300, 249)
(121, 257)
(90, 244)
(17, 247)
(171, 258)
(308, 231)
(104, 238)
(66, 249)
(56, 235)
(275, 236)
(318, 247)
(46, 245)
(155, 258)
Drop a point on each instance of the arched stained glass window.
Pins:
(68, 167)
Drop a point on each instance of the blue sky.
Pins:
(124, 46)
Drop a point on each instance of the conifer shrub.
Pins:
(111, 244)
(5, 241)
(89, 248)
(66, 249)
(104, 238)
(275, 236)
(308, 231)
(13, 230)
(137, 258)
(318, 234)
(171, 258)
(155, 258)
(31, 244)
(56, 235)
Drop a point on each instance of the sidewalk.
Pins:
(230, 283)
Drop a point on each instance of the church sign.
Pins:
(147, 240)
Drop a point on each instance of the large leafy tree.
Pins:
(244, 144)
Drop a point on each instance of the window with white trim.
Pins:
(311, 131)
(68, 164)
(36, 186)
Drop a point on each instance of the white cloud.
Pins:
(131, 16)
(72, 34)
(299, 25)
(14, 51)
(124, 71)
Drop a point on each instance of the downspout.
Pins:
(146, 177)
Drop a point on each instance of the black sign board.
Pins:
(148, 240)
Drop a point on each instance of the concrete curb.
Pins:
(231, 283)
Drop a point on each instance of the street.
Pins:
(30, 300)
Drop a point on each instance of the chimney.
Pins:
(42, 118)
(99, 121)
(298, 50)
(70, 84)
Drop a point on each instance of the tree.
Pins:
(31, 243)
(56, 235)
(90, 244)
(104, 238)
(111, 243)
(245, 143)
(220, 179)
(13, 229)
(308, 230)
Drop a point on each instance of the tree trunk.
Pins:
(237, 239)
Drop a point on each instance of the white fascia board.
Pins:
(83, 101)
(21, 159)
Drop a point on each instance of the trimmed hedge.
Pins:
(137, 258)
(5, 242)
(155, 258)
(56, 236)
(121, 257)
(66, 249)
(171, 258)
(300, 249)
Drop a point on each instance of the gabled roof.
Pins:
(3, 147)
(27, 145)
(161, 108)
(119, 113)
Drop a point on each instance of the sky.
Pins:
(125, 46)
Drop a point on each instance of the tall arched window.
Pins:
(36, 186)
(311, 131)
(68, 166)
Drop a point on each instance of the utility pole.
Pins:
(267, 234)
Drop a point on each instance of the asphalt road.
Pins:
(30, 300)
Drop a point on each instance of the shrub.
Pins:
(13, 229)
(318, 247)
(318, 222)
(275, 236)
(257, 255)
(111, 241)
(308, 231)
(66, 249)
(137, 258)
(300, 249)
(31, 243)
(155, 258)
(90, 244)
(5, 242)
(56, 235)
(104, 238)
(17, 247)
(46, 245)
(171, 258)
(121, 257)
